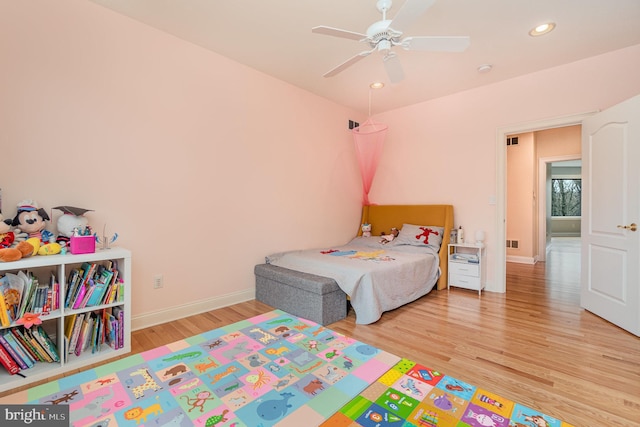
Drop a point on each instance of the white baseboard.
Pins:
(522, 259)
(163, 316)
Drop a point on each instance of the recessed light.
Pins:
(542, 29)
(376, 85)
(485, 68)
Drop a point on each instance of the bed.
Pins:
(374, 276)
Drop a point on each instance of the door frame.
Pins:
(542, 199)
(500, 284)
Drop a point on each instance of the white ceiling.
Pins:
(274, 36)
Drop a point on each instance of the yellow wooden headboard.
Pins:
(383, 217)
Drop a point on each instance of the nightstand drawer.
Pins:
(463, 281)
(460, 268)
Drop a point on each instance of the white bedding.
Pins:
(377, 277)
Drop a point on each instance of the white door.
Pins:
(610, 284)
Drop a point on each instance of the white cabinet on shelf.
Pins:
(466, 266)
(60, 321)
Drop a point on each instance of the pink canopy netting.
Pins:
(368, 138)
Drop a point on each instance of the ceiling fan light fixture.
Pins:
(542, 29)
(384, 46)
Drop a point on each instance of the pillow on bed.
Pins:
(420, 235)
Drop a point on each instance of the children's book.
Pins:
(12, 352)
(76, 332)
(12, 289)
(85, 334)
(20, 337)
(46, 343)
(72, 286)
(29, 289)
(82, 292)
(19, 349)
(4, 313)
(31, 299)
(44, 355)
(118, 313)
(9, 364)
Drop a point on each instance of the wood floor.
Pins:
(533, 345)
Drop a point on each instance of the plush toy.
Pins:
(71, 220)
(386, 238)
(366, 230)
(21, 250)
(31, 220)
(10, 236)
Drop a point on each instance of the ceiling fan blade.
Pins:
(409, 12)
(349, 62)
(336, 32)
(436, 43)
(393, 67)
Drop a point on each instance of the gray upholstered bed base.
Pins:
(312, 297)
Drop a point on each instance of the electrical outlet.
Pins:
(158, 281)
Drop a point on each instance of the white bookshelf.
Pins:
(54, 322)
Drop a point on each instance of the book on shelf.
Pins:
(4, 312)
(12, 288)
(75, 276)
(118, 313)
(82, 291)
(42, 353)
(40, 300)
(47, 343)
(102, 282)
(113, 287)
(12, 352)
(79, 320)
(20, 337)
(9, 364)
(111, 329)
(96, 335)
(30, 283)
(83, 286)
(19, 347)
(85, 332)
(53, 298)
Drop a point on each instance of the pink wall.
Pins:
(444, 150)
(521, 190)
(203, 166)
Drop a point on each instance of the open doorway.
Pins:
(560, 213)
(501, 184)
(550, 171)
(541, 190)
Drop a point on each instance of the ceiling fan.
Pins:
(383, 35)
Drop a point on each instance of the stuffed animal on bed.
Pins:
(386, 238)
(366, 230)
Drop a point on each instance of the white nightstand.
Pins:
(466, 266)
